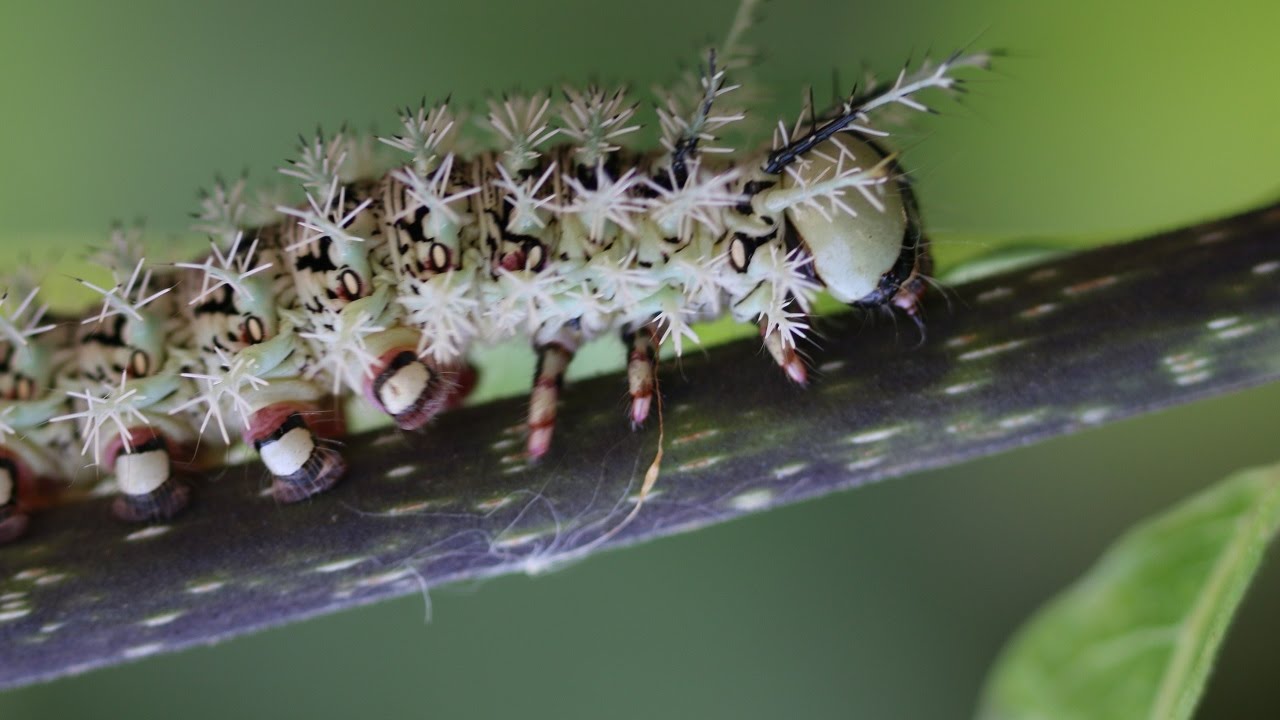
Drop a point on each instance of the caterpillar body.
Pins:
(379, 284)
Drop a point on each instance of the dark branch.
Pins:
(1024, 356)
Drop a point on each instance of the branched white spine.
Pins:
(824, 193)
(343, 337)
(927, 76)
(681, 124)
(432, 192)
(521, 124)
(680, 208)
(595, 120)
(320, 163)
(610, 201)
(115, 407)
(14, 327)
(128, 299)
(223, 211)
(222, 392)
(425, 132)
(522, 196)
(444, 308)
(326, 219)
(230, 270)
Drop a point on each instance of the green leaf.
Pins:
(1137, 635)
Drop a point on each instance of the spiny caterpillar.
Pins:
(379, 284)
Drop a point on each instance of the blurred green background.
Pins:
(1106, 120)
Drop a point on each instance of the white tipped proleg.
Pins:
(554, 357)
(642, 367)
(785, 355)
(401, 389)
(289, 454)
(141, 473)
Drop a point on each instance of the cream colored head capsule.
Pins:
(848, 212)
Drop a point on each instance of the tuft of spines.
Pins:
(528, 209)
(21, 323)
(595, 120)
(125, 299)
(682, 206)
(223, 210)
(606, 201)
(319, 163)
(687, 120)
(425, 132)
(435, 191)
(344, 338)
(520, 122)
(825, 193)
(226, 270)
(105, 409)
(326, 218)
(444, 309)
(223, 390)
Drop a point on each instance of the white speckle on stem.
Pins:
(752, 500)
(340, 565)
(990, 350)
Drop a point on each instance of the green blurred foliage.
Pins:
(1105, 120)
(1137, 635)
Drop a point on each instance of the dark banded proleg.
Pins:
(642, 368)
(786, 356)
(13, 522)
(167, 500)
(553, 359)
(300, 463)
(144, 472)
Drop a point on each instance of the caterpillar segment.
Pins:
(257, 373)
(126, 381)
(338, 255)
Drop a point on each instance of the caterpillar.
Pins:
(381, 280)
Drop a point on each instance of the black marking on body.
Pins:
(317, 261)
(111, 335)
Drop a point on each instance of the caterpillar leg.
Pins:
(911, 293)
(785, 355)
(143, 469)
(13, 522)
(642, 367)
(407, 389)
(554, 357)
(286, 437)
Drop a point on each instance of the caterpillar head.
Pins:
(847, 207)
